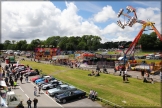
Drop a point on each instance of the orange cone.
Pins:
(46, 92)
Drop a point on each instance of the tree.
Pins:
(6, 44)
(21, 45)
(35, 43)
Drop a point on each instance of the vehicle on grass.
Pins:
(28, 55)
(61, 89)
(70, 95)
(41, 79)
(52, 84)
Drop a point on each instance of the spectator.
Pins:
(12, 83)
(35, 91)
(6, 80)
(92, 73)
(120, 69)
(142, 73)
(21, 78)
(97, 74)
(95, 96)
(26, 77)
(15, 84)
(115, 70)
(90, 94)
(35, 101)
(39, 88)
(29, 103)
(20, 105)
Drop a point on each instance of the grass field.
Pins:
(110, 87)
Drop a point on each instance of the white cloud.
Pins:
(104, 15)
(32, 20)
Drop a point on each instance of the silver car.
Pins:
(61, 89)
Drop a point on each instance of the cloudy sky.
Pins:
(22, 20)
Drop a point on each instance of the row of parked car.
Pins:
(62, 92)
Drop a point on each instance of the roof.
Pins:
(64, 85)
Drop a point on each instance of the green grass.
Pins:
(109, 87)
(144, 52)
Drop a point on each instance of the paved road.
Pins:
(26, 90)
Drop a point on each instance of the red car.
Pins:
(34, 78)
(25, 71)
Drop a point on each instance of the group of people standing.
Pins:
(29, 103)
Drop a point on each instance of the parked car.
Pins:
(52, 84)
(61, 89)
(70, 95)
(41, 79)
(31, 73)
(28, 55)
(44, 83)
(35, 78)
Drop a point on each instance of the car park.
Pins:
(70, 95)
(61, 89)
(52, 84)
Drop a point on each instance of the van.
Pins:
(158, 56)
(149, 57)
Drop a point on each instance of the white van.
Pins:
(149, 57)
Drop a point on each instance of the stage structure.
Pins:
(46, 52)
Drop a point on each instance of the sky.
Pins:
(26, 20)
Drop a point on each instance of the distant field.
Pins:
(109, 87)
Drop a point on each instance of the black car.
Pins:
(31, 73)
(70, 95)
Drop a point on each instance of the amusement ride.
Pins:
(131, 21)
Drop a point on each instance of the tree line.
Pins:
(86, 42)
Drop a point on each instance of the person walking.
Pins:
(26, 78)
(12, 83)
(35, 101)
(21, 78)
(39, 88)
(15, 84)
(29, 103)
(35, 91)
(6, 81)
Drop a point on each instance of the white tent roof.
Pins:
(120, 58)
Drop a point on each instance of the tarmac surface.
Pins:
(26, 90)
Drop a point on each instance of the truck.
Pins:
(10, 100)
